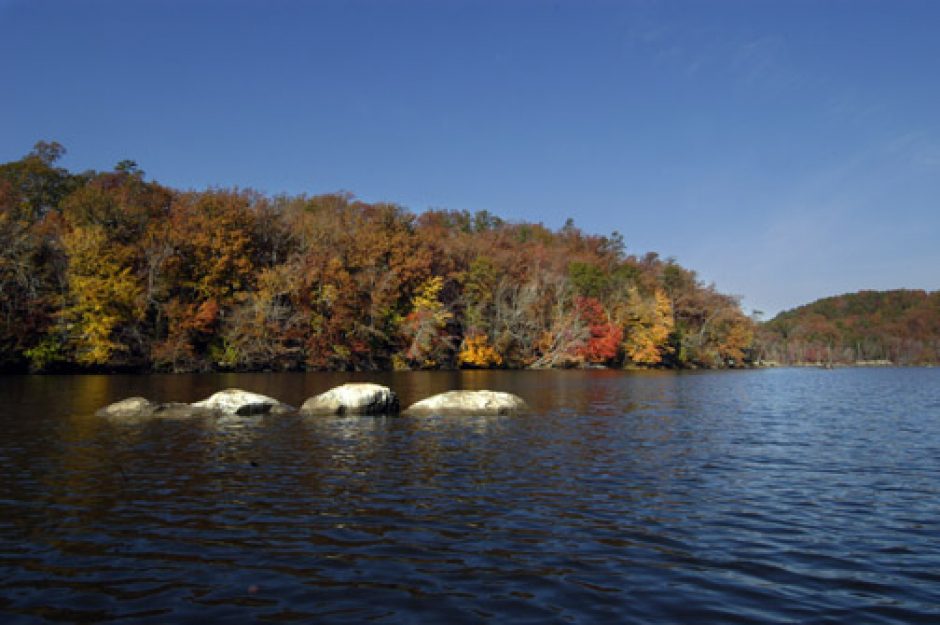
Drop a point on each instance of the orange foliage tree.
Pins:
(476, 352)
(649, 323)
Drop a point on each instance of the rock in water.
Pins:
(353, 399)
(235, 401)
(130, 407)
(469, 403)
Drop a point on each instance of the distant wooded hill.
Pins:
(901, 326)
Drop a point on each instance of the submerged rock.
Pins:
(177, 410)
(141, 407)
(360, 398)
(235, 401)
(469, 403)
(130, 407)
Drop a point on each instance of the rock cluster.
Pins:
(348, 399)
(231, 401)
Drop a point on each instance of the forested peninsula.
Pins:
(107, 271)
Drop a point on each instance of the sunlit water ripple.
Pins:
(734, 497)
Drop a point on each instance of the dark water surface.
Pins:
(774, 496)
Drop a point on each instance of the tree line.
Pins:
(110, 271)
(900, 326)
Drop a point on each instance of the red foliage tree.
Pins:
(605, 336)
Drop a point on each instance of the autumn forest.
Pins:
(106, 271)
(109, 271)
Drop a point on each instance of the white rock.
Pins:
(360, 398)
(237, 401)
(469, 403)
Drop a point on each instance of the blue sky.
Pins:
(785, 150)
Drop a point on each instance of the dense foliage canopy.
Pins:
(901, 326)
(106, 270)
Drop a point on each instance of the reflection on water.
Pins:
(763, 496)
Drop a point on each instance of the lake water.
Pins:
(771, 496)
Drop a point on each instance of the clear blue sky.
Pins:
(785, 150)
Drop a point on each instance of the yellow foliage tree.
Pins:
(426, 324)
(476, 351)
(427, 300)
(649, 322)
(102, 295)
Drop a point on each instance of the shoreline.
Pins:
(81, 371)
